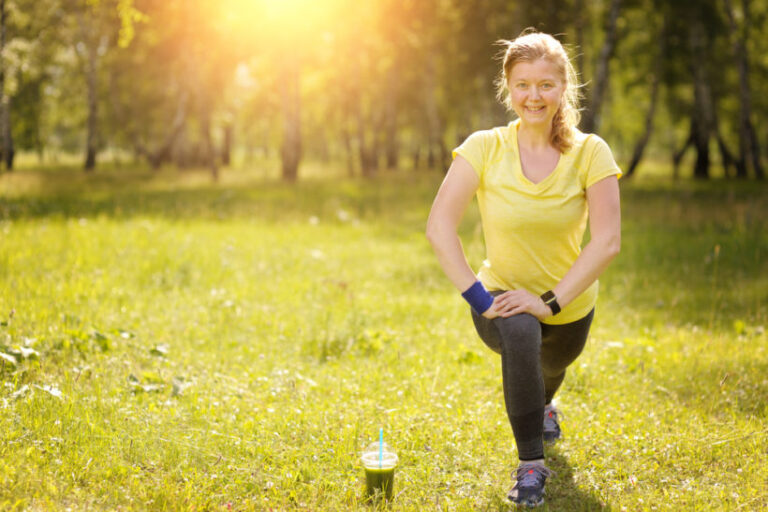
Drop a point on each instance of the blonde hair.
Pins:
(531, 46)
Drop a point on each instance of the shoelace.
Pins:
(531, 475)
(552, 413)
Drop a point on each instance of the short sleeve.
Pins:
(475, 150)
(601, 162)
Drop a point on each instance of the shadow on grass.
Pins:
(139, 195)
(563, 494)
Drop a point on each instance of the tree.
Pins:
(656, 75)
(591, 118)
(749, 151)
(149, 114)
(92, 32)
(5, 104)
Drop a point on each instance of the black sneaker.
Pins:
(529, 488)
(551, 425)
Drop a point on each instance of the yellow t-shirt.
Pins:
(533, 231)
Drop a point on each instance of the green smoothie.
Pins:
(380, 480)
(379, 474)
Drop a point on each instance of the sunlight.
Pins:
(280, 16)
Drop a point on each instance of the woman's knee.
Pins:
(519, 333)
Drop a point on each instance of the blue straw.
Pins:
(381, 445)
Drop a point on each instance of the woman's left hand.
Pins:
(515, 302)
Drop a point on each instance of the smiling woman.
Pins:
(538, 181)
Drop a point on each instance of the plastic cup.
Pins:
(379, 475)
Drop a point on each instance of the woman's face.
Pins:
(536, 90)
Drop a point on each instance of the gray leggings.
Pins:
(534, 357)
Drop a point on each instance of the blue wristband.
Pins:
(478, 297)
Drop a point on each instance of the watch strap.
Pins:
(550, 300)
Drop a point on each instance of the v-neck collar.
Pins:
(518, 162)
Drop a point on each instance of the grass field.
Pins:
(168, 344)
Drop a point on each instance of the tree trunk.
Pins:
(637, 154)
(348, 151)
(578, 16)
(390, 118)
(434, 125)
(729, 161)
(677, 157)
(9, 151)
(226, 148)
(591, 120)
(749, 153)
(210, 151)
(702, 108)
(290, 151)
(6, 148)
(93, 106)
(89, 62)
(365, 150)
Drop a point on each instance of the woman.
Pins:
(538, 180)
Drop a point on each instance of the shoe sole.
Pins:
(528, 503)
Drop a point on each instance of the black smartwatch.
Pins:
(550, 300)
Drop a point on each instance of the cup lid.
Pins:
(370, 456)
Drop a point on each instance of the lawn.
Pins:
(169, 344)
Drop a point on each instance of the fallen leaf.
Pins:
(55, 392)
(8, 359)
(23, 390)
(179, 384)
(160, 350)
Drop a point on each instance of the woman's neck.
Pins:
(534, 138)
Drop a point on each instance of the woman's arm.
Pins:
(455, 194)
(604, 244)
(458, 187)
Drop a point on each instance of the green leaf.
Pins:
(101, 340)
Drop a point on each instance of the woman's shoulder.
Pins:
(593, 157)
(584, 140)
(498, 136)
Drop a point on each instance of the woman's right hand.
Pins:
(493, 311)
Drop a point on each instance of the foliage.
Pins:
(181, 345)
(381, 84)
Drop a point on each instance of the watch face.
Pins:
(548, 296)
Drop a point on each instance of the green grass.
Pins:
(201, 347)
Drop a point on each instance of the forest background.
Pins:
(375, 85)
